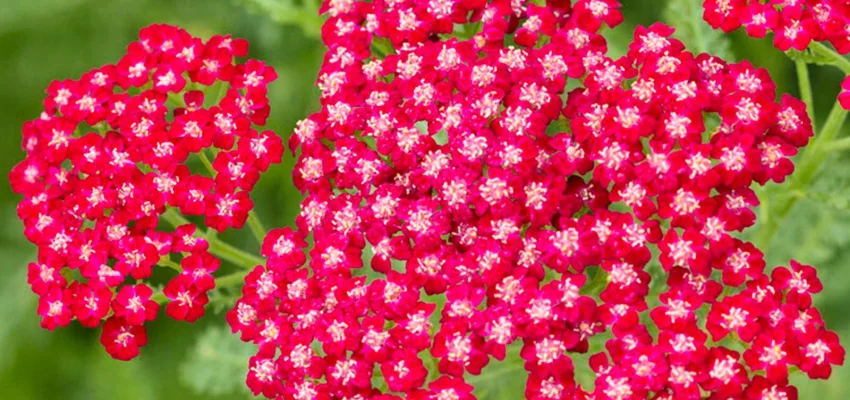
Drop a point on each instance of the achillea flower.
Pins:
(794, 24)
(108, 157)
(468, 172)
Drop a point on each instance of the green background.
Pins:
(43, 40)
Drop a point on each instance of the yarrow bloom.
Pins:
(795, 24)
(500, 211)
(110, 157)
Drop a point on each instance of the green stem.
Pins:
(217, 247)
(835, 59)
(222, 91)
(206, 161)
(840, 144)
(175, 219)
(256, 226)
(805, 84)
(229, 280)
(227, 252)
(166, 262)
(159, 297)
(807, 168)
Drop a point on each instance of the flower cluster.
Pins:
(500, 209)
(108, 158)
(795, 24)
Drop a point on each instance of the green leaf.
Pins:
(218, 363)
(820, 54)
(502, 380)
(686, 17)
(809, 57)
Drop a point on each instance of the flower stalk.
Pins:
(217, 247)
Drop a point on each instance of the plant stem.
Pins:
(231, 279)
(837, 59)
(159, 297)
(206, 161)
(807, 168)
(217, 247)
(840, 144)
(227, 252)
(256, 226)
(221, 282)
(806, 89)
(166, 262)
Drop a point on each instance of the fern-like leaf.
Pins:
(810, 57)
(686, 17)
(217, 364)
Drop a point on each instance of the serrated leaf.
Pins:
(809, 57)
(217, 364)
(686, 17)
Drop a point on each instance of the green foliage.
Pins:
(502, 380)
(686, 17)
(817, 232)
(302, 13)
(218, 363)
(809, 57)
(42, 40)
(819, 54)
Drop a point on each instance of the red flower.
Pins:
(404, 372)
(134, 305)
(91, 303)
(93, 200)
(55, 308)
(801, 282)
(187, 299)
(264, 376)
(443, 163)
(122, 340)
(820, 353)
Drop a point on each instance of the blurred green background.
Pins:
(42, 40)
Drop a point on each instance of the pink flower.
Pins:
(133, 303)
(121, 340)
(495, 206)
(92, 201)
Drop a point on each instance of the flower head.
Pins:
(110, 157)
(468, 172)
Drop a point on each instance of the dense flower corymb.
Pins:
(528, 214)
(795, 24)
(110, 156)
